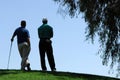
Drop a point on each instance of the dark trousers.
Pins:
(45, 48)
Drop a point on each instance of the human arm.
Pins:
(51, 32)
(28, 41)
(28, 37)
(14, 34)
(38, 33)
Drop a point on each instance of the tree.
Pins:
(103, 19)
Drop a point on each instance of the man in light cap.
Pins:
(45, 33)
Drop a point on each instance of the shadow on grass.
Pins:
(7, 72)
(78, 75)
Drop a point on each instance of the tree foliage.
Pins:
(103, 19)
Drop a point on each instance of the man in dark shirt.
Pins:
(23, 40)
(45, 33)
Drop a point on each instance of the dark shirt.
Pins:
(45, 31)
(22, 34)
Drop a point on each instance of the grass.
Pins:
(40, 75)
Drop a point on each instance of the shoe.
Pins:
(54, 70)
(23, 69)
(28, 67)
(44, 69)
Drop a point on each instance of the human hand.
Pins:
(12, 39)
(49, 41)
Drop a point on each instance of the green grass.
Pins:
(39, 75)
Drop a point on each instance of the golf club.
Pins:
(9, 56)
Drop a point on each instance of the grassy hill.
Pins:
(39, 75)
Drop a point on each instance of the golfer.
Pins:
(23, 40)
(45, 33)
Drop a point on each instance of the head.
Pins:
(44, 20)
(23, 23)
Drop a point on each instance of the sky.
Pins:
(72, 52)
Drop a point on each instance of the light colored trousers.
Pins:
(24, 50)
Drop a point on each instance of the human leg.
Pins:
(42, 55)
(20, 48)
(50, 57)
(24, 51)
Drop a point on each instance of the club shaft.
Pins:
(9, 56)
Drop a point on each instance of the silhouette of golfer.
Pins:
(23, 40)
(45, 33)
